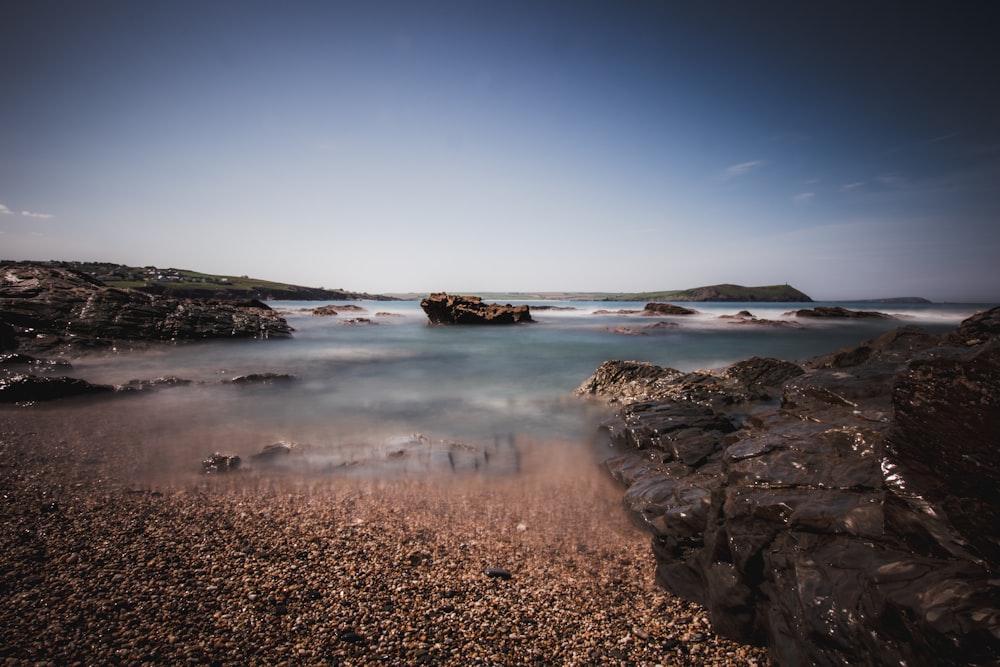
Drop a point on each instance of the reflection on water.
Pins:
(369, 387)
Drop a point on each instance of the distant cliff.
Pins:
(726, 292)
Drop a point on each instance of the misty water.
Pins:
(403, 392)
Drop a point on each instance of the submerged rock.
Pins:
(853, 522)
(837, 312)
(456, 309)
(29, 388)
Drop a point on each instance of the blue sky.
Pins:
(851, 151)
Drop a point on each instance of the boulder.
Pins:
(52, 308)
(456, 309)
(850, 522)
(666, 309)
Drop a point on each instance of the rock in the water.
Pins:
(456, 309)
(28, 388)
(837, 312)
(261, 378)
(219, 463)
(61, 308)
(666, 309)
(853, 523)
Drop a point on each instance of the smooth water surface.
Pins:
(397, 376)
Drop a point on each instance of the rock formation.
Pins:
(57, 308)
(836, 312)
(456, 309)
(666, 309)
(842, 511)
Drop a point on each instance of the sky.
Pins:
(850, 149)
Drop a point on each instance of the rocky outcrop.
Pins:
(58, 308)
(842, 511)
(31, 388)
(836, 312)
(666, 309)
(456, 309)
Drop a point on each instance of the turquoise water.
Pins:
(364, 383)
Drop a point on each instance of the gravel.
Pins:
(106, 559)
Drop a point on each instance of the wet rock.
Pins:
(272, 453)
(853, 522)
(155, 383)
(324, 311)
(497, 573)
(219, 463)
(8, 337)
(261, 378)
(53, 307)
(666, 309)
(836, 312)
(15, 361)
(456, 309)
(29, 388)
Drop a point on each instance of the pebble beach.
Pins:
(114, 552)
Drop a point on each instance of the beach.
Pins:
(118, 552)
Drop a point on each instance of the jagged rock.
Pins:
(218, 463)
(155, 383)
(28, 388)
(666, 309)
(61, 308)
(837, 312)
(261, 378)
(852, 523)
(15, 361)
(456, 309)
(324, 311)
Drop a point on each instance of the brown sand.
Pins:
(117, 551)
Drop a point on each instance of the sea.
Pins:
(379, 389)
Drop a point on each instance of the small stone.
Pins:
(497, 573)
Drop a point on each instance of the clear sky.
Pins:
(851, 149)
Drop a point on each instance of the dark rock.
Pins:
(8, 337)
(837, 312)
(666, 309)
(272, 453)
(28, 388)
(351, 637)
(220, 463)
(359, 320)
(62, 308)
(853, 523)
(14, 361)
(155, 383)
(497, 573)
(456, 309)
(324, 311)
(261, 378)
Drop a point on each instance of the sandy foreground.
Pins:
(116, 550)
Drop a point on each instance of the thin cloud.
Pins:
(5, 211)
(741, 169)
(803, 197)
(847, 187)
(41, 216)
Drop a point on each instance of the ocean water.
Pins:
(378, 393)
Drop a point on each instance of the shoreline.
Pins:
(107, 560)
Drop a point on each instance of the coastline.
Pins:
(108, 559)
